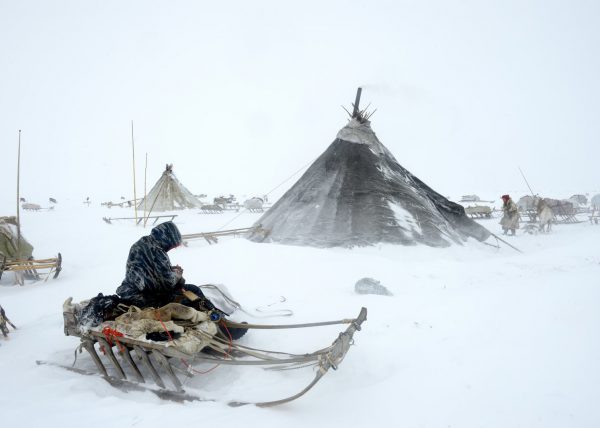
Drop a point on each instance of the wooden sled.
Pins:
(139, 220)
(28, 269)
(133, 363)
(213, 237)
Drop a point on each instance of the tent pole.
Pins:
(134, 192)
(503, 241)
(356, 103)
(18, 198)
(154, 203)
(145, 192)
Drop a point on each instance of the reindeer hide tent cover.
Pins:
(169, 194)
(357, 194)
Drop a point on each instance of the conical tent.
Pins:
(169, 194)
(357, 194)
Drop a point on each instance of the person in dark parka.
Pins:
(150, 280)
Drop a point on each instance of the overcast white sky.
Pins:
(238, 95)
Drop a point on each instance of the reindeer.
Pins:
(545, 215)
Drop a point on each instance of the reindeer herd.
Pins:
(538, 213)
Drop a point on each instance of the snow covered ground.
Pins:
(472, 337)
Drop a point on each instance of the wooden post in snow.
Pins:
(134, 191)
(18, 198)
(145, 192)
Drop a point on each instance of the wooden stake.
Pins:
(154, 202)
(134, 192)
(145, 192)
(18, 199)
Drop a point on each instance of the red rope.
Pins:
(111, 333)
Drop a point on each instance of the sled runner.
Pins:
(138, 220)
(213, 237)
(29, 268)
(192, 337)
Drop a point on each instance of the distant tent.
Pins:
(169, 194)
(357, 194)
(10, 246)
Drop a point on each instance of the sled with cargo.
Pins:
(130, 361)
(478, 211)
(16, 255)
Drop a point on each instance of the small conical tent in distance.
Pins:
(169, 194)
(357, 194)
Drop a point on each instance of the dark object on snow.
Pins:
(100, 308)
(233, 332)
(371, 286)
(3, 321)
(357, 194)
(150, 279)
(162, 336)
(52, 200)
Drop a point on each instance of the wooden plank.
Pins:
(111, 356)
(143, 356)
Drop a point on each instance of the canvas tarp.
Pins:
(10, 246)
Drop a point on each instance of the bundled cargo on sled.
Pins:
(143, 345)
(16, 254)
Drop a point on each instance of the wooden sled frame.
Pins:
(213, 237)
(156, 358)
(138, 220)
(29, 268)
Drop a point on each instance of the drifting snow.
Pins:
(472, 336)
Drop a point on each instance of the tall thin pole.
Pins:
(134, 191)
(145, 193)
(526, 182)
(356, 103)
(18, 198)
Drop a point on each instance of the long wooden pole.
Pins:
(526, 182)
(134, 191)
(18, 199)
(356, 103)
(503, 241)
(145, 192)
